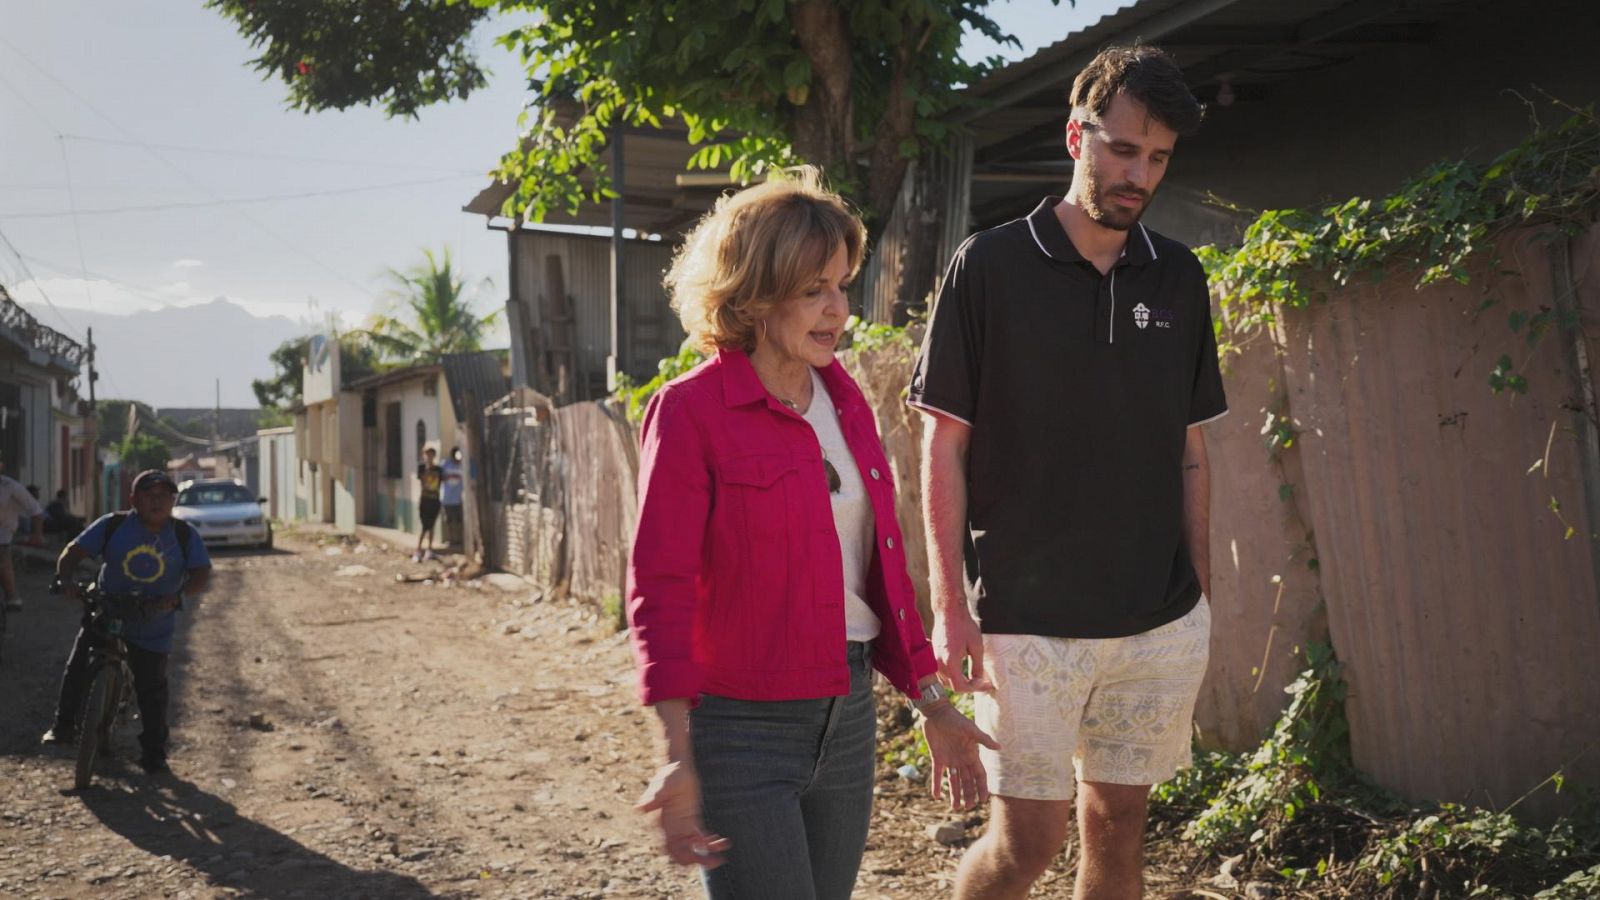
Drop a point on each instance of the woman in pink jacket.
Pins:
(768, 575)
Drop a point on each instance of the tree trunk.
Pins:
(825, 123)
(888, 164)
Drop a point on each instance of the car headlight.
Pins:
(253, 520)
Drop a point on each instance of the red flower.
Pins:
(303, 67)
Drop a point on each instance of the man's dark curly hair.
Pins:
(1145, 73)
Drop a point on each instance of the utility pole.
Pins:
(617, 364)
(216, 424)
(93, 429)
(93, 375)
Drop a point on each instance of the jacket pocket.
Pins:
(759, 489)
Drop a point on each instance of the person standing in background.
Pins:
(450, 495)
(16, 505)
(431, 478)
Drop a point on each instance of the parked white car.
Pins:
(224, 512)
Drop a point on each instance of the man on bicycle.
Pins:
(145, 553)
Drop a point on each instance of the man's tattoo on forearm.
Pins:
(1188, 466)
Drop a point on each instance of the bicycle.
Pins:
(107, 673)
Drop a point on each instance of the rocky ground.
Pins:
(340, 733)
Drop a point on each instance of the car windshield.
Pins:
(215, 495)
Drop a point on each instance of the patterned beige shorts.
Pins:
(1118, 710)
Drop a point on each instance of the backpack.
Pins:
(183, 530)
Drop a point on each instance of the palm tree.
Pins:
(430, 313)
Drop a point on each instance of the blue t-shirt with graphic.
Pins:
(134, 560)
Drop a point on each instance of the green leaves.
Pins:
(742, 73)
(430, 314)
(399, 57)
(1502, 378)
(1434, 225)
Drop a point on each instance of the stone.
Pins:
(507, 582)
(947, 833)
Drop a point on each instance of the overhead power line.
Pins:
(202, 204)
(287, 157)
(32, 279)
(184, 174)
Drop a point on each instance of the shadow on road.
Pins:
(173, 817)
(225, 551)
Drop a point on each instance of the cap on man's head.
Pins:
(150, 478)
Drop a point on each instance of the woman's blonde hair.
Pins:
(756, 249)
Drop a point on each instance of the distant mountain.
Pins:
(173, 357)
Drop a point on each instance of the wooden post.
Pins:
(617, 364)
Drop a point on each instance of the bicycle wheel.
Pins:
(94, 731)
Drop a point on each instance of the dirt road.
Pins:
(412, 741)
(409, 740)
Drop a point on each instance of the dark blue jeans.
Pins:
(789, 784)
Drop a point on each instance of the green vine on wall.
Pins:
(1433, 224)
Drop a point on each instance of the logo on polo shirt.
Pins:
(1144, 317)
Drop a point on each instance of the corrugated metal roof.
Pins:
(391, 376)
(480, 374)
(1250, 46)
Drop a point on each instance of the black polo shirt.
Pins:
(1079, 389)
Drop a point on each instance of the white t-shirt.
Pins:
(15, 502)
(852, 514)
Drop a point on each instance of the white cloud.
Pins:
(187, 264)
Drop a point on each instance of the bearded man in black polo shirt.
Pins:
(1067, 369)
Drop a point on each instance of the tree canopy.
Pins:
(282, 390)
(431, 314)
(142, 451)
(859, 88)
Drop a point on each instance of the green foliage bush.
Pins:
(1297, 810)
(1433, 224)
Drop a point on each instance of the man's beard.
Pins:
(1105, 211)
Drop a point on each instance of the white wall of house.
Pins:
(279, 481)
(423, 402)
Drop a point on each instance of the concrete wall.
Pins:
(1361, 128)
(279, 481)
(320, 379)
(397, 498)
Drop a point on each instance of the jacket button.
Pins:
(890, 542)
(902, 615)
(875, 475)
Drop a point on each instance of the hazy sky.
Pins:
(145, 118)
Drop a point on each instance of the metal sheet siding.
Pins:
(1266, 602)
(1465, 620)
(586, 273)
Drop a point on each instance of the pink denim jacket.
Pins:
(735, 582)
